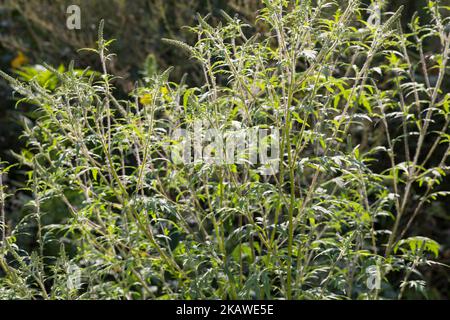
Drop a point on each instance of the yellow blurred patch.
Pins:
(146, 99)
(19, 60)
(164, 91)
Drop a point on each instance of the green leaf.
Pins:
(417, 244)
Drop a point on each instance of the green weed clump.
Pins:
(343, 89)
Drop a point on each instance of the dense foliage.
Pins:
(361, 118)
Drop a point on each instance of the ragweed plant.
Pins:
(343, 90)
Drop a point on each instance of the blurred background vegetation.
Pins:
(34, 31)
